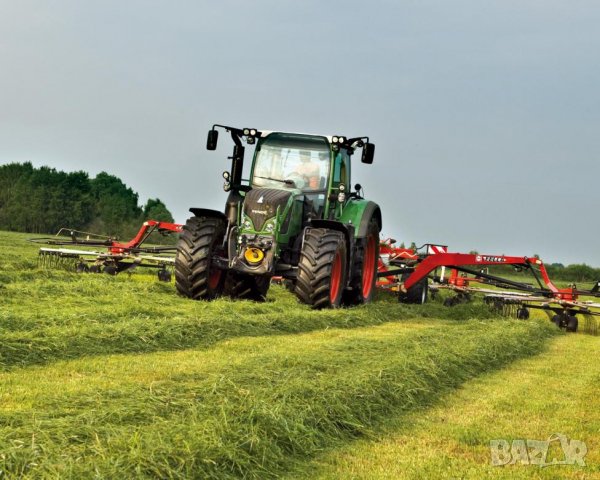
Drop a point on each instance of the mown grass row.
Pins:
(99, 315)
(48, 315)
(534, 398)
(248, 407)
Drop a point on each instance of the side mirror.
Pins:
(368, 153)
(211, 141)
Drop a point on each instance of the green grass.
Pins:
(118, 377)
(555, 392)
(47, 315)
(247, 407)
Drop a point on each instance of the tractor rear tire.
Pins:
(195, 275)
(363, 276)
(417, 294)
(248, 287)
(322, 268)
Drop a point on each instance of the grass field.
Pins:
(555, 392)
(118, 377)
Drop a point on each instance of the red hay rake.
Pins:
(117, 257)
(408, 272)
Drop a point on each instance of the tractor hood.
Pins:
(261, 204)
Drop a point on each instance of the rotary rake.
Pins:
(117, 257)
(408, 271)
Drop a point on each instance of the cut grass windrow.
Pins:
(247, 407)
(535, 398)
(70, 315)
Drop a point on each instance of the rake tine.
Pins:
(590, 325)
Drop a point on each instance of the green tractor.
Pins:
(295, 218)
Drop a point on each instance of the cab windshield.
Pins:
(292, 161)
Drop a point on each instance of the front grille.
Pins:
(261, 204)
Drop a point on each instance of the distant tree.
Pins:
(116, 204)
(155, 209)
(42, 200)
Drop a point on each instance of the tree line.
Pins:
(43, 200)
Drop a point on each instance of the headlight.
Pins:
(247, 224)
(270, 227)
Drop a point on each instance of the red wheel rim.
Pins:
(368, 267)
(213, 278)
(336, 278)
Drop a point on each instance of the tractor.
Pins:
(296, 217)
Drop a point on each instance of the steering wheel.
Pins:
(299, 180)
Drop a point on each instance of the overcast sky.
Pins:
(485, 114)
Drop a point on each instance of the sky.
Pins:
(485, 114)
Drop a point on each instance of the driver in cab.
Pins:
(308, 169)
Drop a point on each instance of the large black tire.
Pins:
(195, 275)
(322, 268)
(363, 276)
(416, 294)
(249, 287)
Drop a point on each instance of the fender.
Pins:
(372, 210)
(207, 212)
(359, 212)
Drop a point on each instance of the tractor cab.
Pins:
(299, 164)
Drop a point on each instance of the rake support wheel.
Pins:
(322, 268)
(567, 321)
(195, 275)
(416, 294)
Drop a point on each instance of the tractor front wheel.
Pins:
(322, 268)
(196, 276)
(364, 272)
